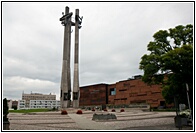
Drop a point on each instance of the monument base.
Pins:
(107, 116)
(65, 104)
(75, 103)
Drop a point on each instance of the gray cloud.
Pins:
(113, 38)
(19, 84)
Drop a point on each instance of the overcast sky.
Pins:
(113, 38)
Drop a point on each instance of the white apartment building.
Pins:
(44, 104)
(36, 96)
(34, 104)
(21, 104)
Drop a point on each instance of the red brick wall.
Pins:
(135, 91)
(127, 92)
(93, 95)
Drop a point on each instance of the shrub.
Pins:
(122, 110)
(105, 110)
(79, 112)
(186, 113)
(64, 112)
(14, 107)
(54, 109)
(113, 110)
(93, 109)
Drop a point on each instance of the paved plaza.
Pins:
(128, 120)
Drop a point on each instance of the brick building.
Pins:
(131, 91)
(135, 91)
(93, 95)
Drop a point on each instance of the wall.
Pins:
(135, 91)
(36, 96)
(44, 104)
(93, 95)
(132, 91)
(21, 104)
(9, 104)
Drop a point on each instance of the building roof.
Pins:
(94, 85)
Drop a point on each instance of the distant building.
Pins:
(45, 104)
(12, 104)
(33, 104)
(131, 91)
(15, 104)
(21, 104)
(9, 102)
(36, 96)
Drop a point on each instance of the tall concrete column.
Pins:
(76, 91)
(65, 78)
(69, 66)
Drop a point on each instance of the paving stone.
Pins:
(88, 124)
(128, 120)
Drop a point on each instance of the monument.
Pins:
(65, 93)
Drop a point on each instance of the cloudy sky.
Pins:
(113, 38)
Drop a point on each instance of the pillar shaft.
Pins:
(69, 59)
(76, 92)
(65, 78)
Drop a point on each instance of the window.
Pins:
(142, 94)
(155, 92)
(113, 91)
(123, 90)
(132, 85)
(123, 98)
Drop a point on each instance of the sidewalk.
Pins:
(86, 124)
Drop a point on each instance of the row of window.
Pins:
(42, 104)
(44, 101)
(52, 97)
(113, 91)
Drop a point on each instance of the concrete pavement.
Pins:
(87, 124)
(128, 120)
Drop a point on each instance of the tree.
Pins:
(170, 62)
(14, 107)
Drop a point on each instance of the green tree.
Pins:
(170, 62)
(14, 107)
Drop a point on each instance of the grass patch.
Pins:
(28, 110)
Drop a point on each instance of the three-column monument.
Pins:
(65, 93)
